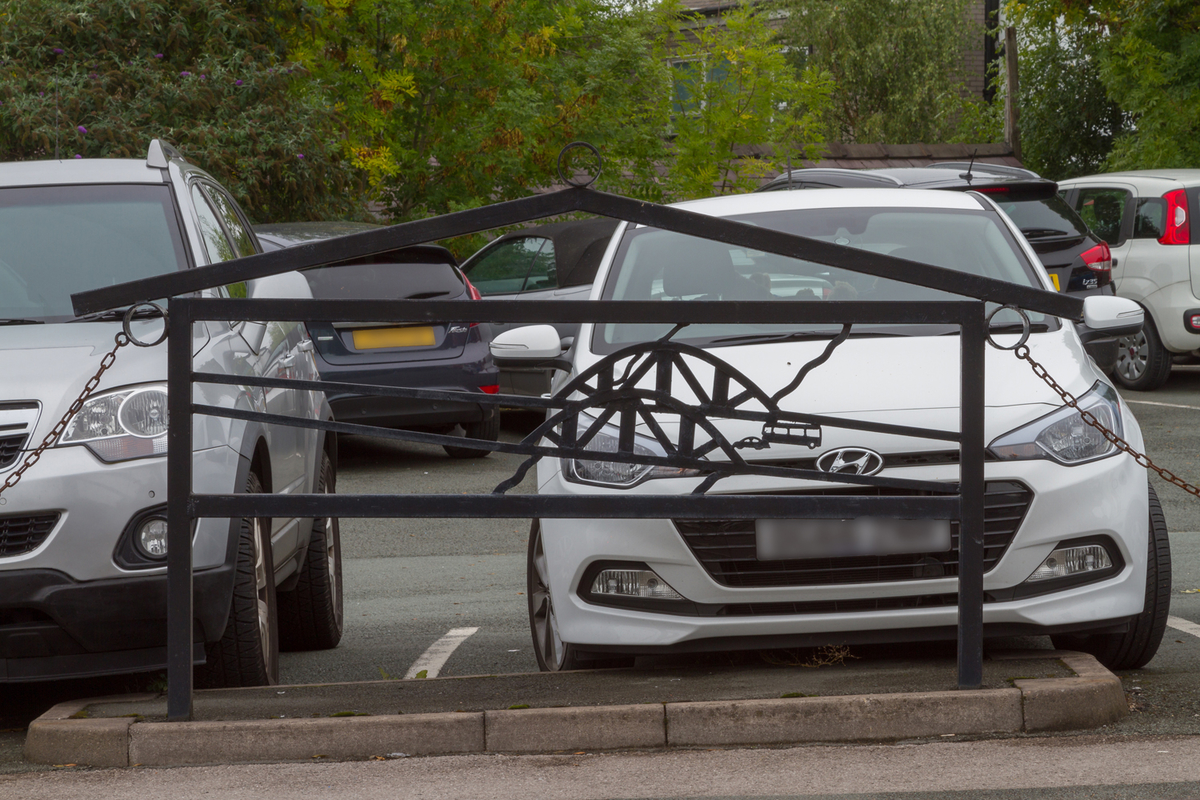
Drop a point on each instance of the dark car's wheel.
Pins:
(248, 652)
(1134, 648)
(1143, 363)
(310, 615)
(552, 653)
(487, 430)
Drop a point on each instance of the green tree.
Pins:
(1147, 57)
(1067, 122)
(734, 87)
(458, 103)
(896, 67)
(93, 78)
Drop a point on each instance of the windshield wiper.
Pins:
(143, 312)
(19, 321)
(1043, 233)
(751, 338)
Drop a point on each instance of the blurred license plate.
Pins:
(375, 338)
(831, 538)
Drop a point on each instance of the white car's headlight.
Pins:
(1063, 436)
(615, 473)
(117, 426)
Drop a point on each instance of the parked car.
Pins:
(610, 589)
(443, 357)
(1078, 261)
(83, 544)
(556, 261)
(1145, 218)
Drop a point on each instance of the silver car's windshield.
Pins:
(57, 240)
(653, 264)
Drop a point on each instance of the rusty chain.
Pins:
(122, 339)
(1022, 352)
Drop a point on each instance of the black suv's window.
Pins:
(1043, 219)
(55, 240)
(503, 269)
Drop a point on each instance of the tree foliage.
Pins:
(1147, 56)
(103, 77)
(736, 87)
(460, 102)
(896, 67)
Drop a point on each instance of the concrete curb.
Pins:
(1093, 698)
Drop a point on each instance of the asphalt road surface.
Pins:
(447, 597)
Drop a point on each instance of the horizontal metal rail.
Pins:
(518, 506)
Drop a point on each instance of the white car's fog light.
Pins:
(151, 537)
(1067, 561)
(633, 583)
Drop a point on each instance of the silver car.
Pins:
(83, 533)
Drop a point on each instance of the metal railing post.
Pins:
(970, 527)
(179, 525)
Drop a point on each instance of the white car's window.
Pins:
(55, 240)
(653, 264)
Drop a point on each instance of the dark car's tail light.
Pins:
(1178, 229)
(1098, 259)
(474, 294)
(493, 389)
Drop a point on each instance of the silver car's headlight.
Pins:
(120, 425)
(615, 473)
(1063, 436)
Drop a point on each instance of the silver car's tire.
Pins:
(1143, 364)
(248, 652)
(311, 614)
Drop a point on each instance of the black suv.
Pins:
(1078, 261)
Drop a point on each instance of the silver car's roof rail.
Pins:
(160, 152)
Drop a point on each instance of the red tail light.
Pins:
(1098, 259)
(1178, 229)
(475, 295)
(493, 389)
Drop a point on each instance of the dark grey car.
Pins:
(445, 357)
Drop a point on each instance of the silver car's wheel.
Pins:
(310, 614)
(1142, 361)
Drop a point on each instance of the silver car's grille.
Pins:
(727, 548)
(16, 424)
(20, 535)
(10, 449)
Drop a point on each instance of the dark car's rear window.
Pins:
(1048, 218)
(386, 281)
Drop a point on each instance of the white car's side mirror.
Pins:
(529, 346)
(1106, 315)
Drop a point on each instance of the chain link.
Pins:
(121, 339)
(1022, 352)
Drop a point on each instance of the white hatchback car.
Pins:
(1075, 542)
(83, 582)
(1145, 217)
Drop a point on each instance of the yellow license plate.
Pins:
(377, 338)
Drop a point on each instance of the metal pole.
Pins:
(179, 527)
(970, 526)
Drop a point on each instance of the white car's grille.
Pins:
(727, 548)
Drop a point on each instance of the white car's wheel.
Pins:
(1143, 363)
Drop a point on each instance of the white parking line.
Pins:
(433, 659)
(1181, 624)
(1164, 405)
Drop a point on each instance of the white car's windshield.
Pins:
(653, 264)
(57, 240)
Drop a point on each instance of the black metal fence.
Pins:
(561, 436)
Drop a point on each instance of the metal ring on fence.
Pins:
(129, 312)
(1024, 328)
(591, 178)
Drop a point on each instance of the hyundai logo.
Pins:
(851, 461)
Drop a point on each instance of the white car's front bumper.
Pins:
(1106, 498)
